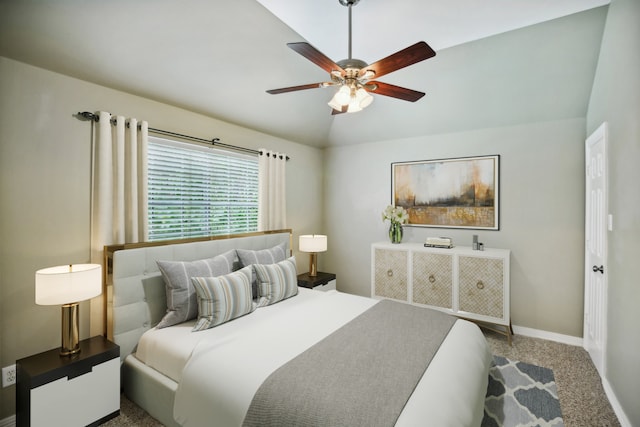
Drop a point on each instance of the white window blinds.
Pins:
(200, 191)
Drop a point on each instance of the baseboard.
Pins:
(615, 404)
(545, 335)
(8, 422)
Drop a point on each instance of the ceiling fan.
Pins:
(354, 76)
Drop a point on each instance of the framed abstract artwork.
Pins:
(449, 193)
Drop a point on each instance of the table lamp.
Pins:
(67, 285)
(313, 243)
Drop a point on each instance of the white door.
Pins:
(596, 225)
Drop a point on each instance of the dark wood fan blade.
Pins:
(344, 110)
(295, 88)
(315, 56)
(408, 56)
(393, 91)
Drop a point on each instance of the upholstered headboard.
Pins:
(134, 288)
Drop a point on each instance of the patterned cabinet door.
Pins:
(481, 286)
(433, 279)
(390, 280)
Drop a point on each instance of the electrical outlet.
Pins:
(8, 375)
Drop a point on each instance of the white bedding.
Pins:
(219, 370)
(168, 350)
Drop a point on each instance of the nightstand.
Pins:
(321, 282)
(80, 390)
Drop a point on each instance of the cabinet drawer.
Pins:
(78, 401)
(433, 279)
(481, 286)
(390, 276)
(330, 286)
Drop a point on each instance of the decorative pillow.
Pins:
(182, 304)
(276, 281)
(264, 256)
(223, 298)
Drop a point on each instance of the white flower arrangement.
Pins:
(395, 214)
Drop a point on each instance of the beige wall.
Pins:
(44, 193)
(616, 100)
(45, 158)
(541, 209)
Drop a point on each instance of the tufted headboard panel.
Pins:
(134, 288)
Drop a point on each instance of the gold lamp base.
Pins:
(313, 264)
(70, 330)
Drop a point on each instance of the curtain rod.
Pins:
(86, 115)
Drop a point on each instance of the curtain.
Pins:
(272, 203)
(119, 191)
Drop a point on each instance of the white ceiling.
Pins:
(382, 27)
(493, 67)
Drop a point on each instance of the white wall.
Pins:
(616, 99)
(542, 212)
(45, 156)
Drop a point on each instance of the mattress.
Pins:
(239, 355)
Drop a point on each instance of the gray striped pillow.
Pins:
(263, 256)
(276, 281)
(223, 298)
(181, 297)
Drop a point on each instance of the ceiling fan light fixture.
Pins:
(341, 98)
(335, 105)
(354, 106)
(354, 99)
(363, 98)
(368, 75)
(343, 95)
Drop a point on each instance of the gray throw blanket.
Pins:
(361, 375)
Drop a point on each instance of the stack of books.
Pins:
(439, 242)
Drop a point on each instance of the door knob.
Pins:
(600, 269)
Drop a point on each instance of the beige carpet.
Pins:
(582, 398)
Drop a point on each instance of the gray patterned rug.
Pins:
(520, 394)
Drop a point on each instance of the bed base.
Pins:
(149, 389)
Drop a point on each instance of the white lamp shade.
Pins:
(363, 98)
(66, 284)
(334, 104)
(354, 106)
(341, 98)
(312, 243)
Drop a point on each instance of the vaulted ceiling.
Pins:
(498, 62)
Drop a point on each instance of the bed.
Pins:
(226, 375)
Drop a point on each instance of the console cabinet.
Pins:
(470, 284)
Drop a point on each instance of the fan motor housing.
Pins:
(352, 63)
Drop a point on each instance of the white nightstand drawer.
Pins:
(78, 401)
(330, 286)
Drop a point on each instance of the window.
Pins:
(199, 191)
